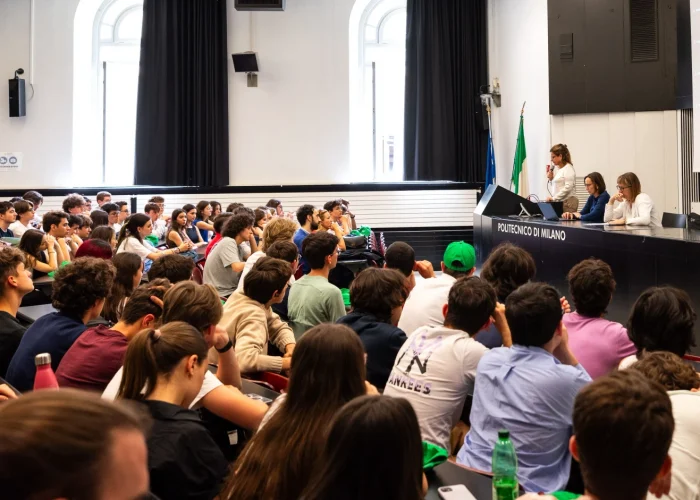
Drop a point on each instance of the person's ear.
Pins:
(694, 389)
(12, 281)
(147, 320)
(442, 266)
(661, 485)
(445, 309)
(472, 271)
(191, 365)
(573, 448)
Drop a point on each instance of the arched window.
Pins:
(105, 125)
(378, 69)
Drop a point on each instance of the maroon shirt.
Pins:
(93, 359)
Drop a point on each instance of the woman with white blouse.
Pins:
(131, 239)
(563, 178)
(633, 207)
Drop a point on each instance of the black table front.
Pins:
(640, 257)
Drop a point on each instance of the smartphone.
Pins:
(455, 492)
(259, 398)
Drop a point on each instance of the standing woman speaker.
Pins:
(563, 178)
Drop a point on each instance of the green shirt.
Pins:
(313, 300)
(565, 495)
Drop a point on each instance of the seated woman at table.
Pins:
(563, 177)
(594, 209)
(129, 267)
(328, 370)
(634, 207)
(191, 229)
(204, 221)
(326, 223)
(105, 233)
(131, 239)
(176, 233)
(171, 363)
(348, 466)
(34, 243)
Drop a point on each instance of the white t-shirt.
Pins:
(640, 213)
(276, 405)
(133, 245)
(424, 306)
(435, 371)
(18, 229)
(249, 265)
(685, 447)
(210, 383)
(564, 182)
(627, 362)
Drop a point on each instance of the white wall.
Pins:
(292, 129)
(45, 134)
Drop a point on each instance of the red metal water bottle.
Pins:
(45, 377)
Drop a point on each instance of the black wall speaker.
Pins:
(245, 62)
(18, 98)
(260, 5)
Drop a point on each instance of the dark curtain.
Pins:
(446, 64)
(182, 112)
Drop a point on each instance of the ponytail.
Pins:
(131, 227)
(152, 353)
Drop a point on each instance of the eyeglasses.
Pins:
(622, 188)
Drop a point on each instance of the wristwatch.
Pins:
(226, 348)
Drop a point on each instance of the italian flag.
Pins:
(518, 180)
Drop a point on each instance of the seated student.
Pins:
(218, 226)
(506, 268)
(176, 235)
(251, 324)
(79, 292)
(33, 244)
(99, 218)
(103, 197)
(8, 216)
(193, 232)
(436, 367)
(286, 251)
(402, 257)
(276, 206)
(328, 361)
(529, 389)
(124, 212)
(261, 219)
(69, 444)
(129, 272)
(159, 225)
(334, 208)
(424, 306)
(25, 215)
(106, 234)
(215, 209)
(307, 215)
(73, 225)
(327, 224)
(682, 383)
(598, 344)
(276, 230)
(84, 228)
(232, 207)
(226, 261)
(87, 208)
(594, 209)
(131, 239)
(203, 221)
(377, 296)
(171, 362)
(350, 464)
(623, 425)
(74, 204)
(200, 306)
(662, 319)
(634, 207)
(112, 211)
(15, 283)
(96, 356)
(56, 225)
(251, 246)
(160, 201)
(36, 199)
(174, 268)
(312, 299)
(95, 248)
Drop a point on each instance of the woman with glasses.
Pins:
(594, 209)
(563, 178)
(633, 207)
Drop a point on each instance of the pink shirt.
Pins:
(598, 344)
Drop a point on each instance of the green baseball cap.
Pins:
(459, 256)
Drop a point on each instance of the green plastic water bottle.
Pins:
(504, 464)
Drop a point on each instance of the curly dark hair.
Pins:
(669, 370)
(71, 201)
(507, 268)
(236, 224)
(592, 284)
(80, 284)
(377, 292)
(470, 304)
(662, 319)
(175, 268)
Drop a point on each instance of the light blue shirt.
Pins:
(527, 391)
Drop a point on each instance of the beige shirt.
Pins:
(251, 325)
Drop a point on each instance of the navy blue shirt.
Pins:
(53, 333)
(203, 232)
(6, 234)
(594, 209)
(299, 238)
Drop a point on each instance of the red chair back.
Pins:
(197, 275)
(277, 381)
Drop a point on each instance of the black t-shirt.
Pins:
(11, 332)
(184, 462)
